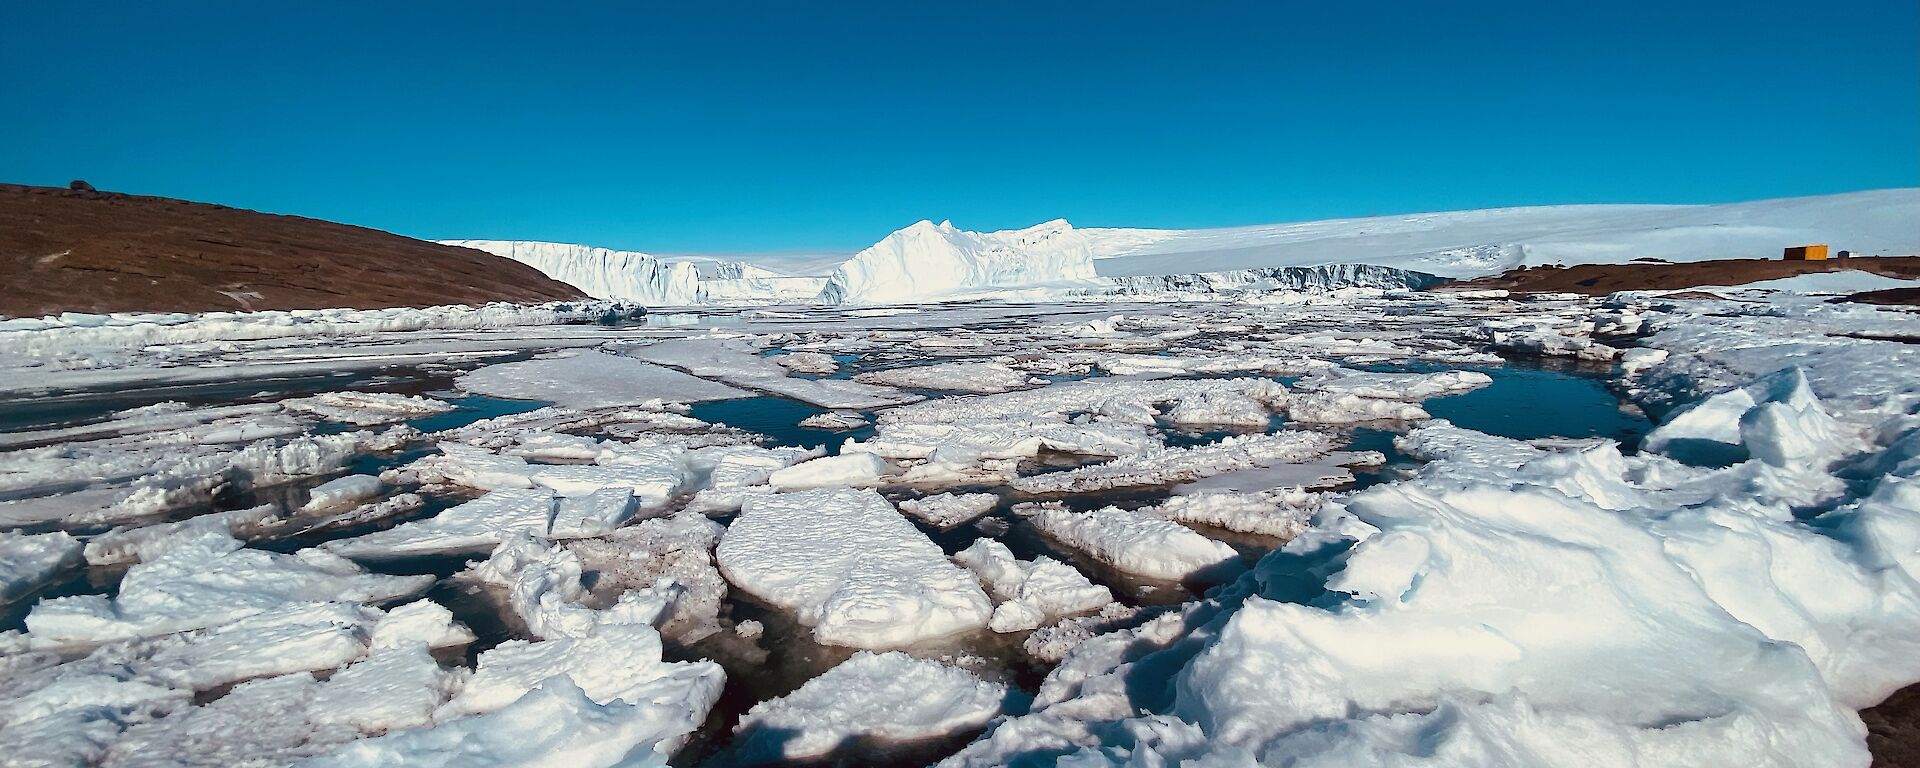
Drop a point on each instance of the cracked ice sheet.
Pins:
(737, 361)
(591, 379)
(847, 564)
(885, 696)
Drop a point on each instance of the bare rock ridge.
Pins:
(76, 249)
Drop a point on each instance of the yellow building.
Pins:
(1806, 253)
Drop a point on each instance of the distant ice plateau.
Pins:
(928, 262)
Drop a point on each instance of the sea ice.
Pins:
(884, 696)
(851, 567)
(1031, 592)
(29, 561)
(206, 579)
(950, 510)
(1139, 543)
(590, 379)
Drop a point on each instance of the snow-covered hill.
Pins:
(1486, 242)
(934, 262)
(928, 262)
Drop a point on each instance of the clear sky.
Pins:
(734, 127)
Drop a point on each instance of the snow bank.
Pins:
(851, 567)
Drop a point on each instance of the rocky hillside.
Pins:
(80, 250)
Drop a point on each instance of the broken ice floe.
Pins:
(889, 697)
(847, 564)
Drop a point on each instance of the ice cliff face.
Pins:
(603, 273)
(928, 262)
(1326, 277)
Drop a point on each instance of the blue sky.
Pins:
(735, 127)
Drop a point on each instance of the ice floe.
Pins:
(848, 565)
(1140, 543)
(888, 697)
(1030, 592)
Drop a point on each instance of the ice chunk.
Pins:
(1393, 386)
(643, 732)
(1219, 409)
(475, 526)
(127, 545)
(1139, 543)
(847, 469)
(477, 468)
(1343, 408)
(594, 514)
(981, 377)
(808, 362)
(836, 421)
(678, 549)
(592, 379)
(29, 561)
(341, 492)
(1031, 592)
(950, 510)
(366, 408)
(206, 580)
(616, 661)
(1282, 513)
(851, 567)
(1776, 419)
(884, 696)
(1179, 465)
